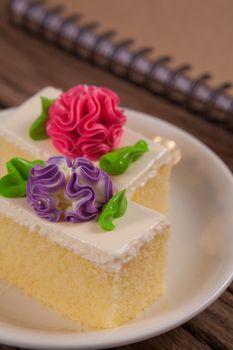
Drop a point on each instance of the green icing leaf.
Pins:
(13, 185)
(118, 161)
(38, 128)
(115, 208)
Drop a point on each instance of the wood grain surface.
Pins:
(27, 64)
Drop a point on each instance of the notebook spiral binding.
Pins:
(194, 94)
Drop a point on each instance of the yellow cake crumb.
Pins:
(8, 151)
(73, 286)
(154, 194)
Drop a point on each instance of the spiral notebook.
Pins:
(63, 23)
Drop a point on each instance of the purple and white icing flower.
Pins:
(65, 190)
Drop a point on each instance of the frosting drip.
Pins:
(65, 190)
(86, 121)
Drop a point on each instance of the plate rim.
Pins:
(110, 338)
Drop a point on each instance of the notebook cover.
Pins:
(83, 27)
(196, 32)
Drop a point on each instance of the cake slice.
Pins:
(61, 244)
(99, 279)
(147, 179)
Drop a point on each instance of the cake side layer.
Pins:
(107, 249)
(72, 285)
(55, 276)
(8, 151)
(142, 279)
(154, 194)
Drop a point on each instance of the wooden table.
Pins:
(28, 64)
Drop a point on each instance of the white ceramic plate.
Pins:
(200, 258)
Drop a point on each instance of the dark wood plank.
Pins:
(215, 325)
(231, 288)
(175, 340)
(227, 298)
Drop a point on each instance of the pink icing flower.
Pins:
(86, 121)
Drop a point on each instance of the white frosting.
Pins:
(15, 128)
(108, 249)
